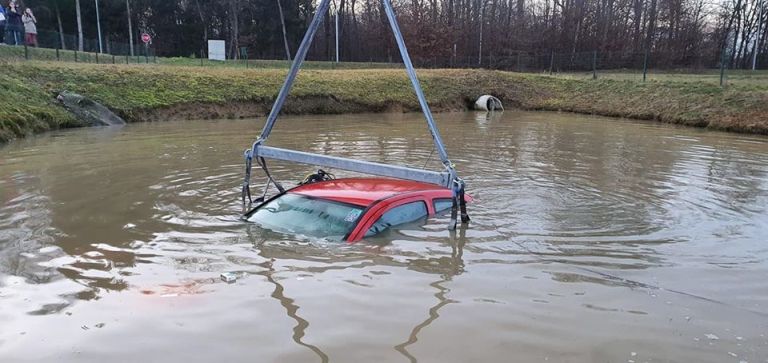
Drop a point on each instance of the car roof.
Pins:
(362, 191)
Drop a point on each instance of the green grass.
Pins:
(28, 109)
(259, 63)
(741, 78)
(757, 79)
(19, 54)
(150, 92)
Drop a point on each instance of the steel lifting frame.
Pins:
(447, 177)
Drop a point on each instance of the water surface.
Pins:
(592, 240)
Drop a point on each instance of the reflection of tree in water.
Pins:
(446, 267)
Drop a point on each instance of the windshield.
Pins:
(312, 217)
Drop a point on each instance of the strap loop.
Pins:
(459, 203)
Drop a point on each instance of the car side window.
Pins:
(405, 213)
(442, 204)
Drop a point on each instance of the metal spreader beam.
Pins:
(259, 151)
(360, 166)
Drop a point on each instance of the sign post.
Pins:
(147, 39)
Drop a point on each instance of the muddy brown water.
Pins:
(592, 240)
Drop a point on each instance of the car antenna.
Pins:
(260, 151)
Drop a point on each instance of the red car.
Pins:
(350, 208)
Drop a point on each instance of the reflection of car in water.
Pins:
(351, 208)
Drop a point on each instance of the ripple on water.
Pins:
(590, 239)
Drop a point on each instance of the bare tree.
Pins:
(676, 33)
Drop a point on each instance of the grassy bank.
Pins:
(25, 107)
(149, 92)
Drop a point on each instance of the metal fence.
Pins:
(53, 46)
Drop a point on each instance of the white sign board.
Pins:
(217, 50)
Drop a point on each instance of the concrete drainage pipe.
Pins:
(488, 103)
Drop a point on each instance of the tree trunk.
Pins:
(327, 33)
(355, 38)
(637, 21)
(204, 24)
(285, 36)
(79, 26)
(234, 29)
(341, 28)
(607, 20)
(130, 26)
(737, 12)
(651, 26)
(61, 28)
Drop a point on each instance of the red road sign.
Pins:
(146, 38)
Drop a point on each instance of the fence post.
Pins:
(645, 64)
(201, 57)
(58, 58)
(113, 59)
(26, 52)
(594, 65)
(722, 69)
(127, 59)
(97, 57)
(551, 62)
(75, 50)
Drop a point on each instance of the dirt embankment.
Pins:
(246, 109)
(153, 93)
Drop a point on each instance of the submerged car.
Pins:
(350, 208)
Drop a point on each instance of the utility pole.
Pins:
(130, 26)
(98, 26)
(757, 36)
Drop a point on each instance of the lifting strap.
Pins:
(459, 204)
(246, 192)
